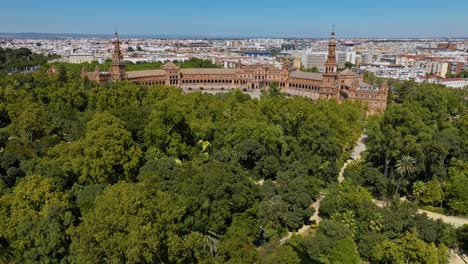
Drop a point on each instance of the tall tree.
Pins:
(133, 224)
(410, 249)
(106, 154)
(404, 167)
(35, 219)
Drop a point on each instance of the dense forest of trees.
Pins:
(418, 148)
(17, 60)
(168, 169)
(96, 173)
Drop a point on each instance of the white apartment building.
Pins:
(454, 82)
(164, 58)
(395, 72)
(317, 59)
(449, 82)
(437, 68)
(351, 56)
(370, 58)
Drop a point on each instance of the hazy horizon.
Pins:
(301, 19)
(46, 35)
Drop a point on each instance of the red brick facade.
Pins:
(345, 85)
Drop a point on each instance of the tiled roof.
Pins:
(208, 71)
(306, 75)
(348, 72)
(145, 73)
(452, 79)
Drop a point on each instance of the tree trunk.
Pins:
(398, 185)
(387, 162)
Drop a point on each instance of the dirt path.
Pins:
(315, 218)
(454, 258)
(341, 175)
(359, 148)
(452, 220)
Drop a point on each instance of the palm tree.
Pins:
(404, 167)
(212, 242)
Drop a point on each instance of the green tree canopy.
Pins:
(130, 223)
(35, 217)
(105, 154)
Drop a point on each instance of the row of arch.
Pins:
(214, 89)
(152, 82)
(206, 81)
(281, 84)
(304, 86)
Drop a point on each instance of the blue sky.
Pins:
(299, 18)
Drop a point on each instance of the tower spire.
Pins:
(331, 65)
(329, 89)
(118, 66)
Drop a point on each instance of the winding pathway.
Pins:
(358, 149)
(456, 221)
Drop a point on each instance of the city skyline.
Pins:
(303, 19)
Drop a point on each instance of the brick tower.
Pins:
(329, 89)
(118, 65)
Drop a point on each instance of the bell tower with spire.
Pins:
(329, 88)
(118, 66)
(330, 65)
